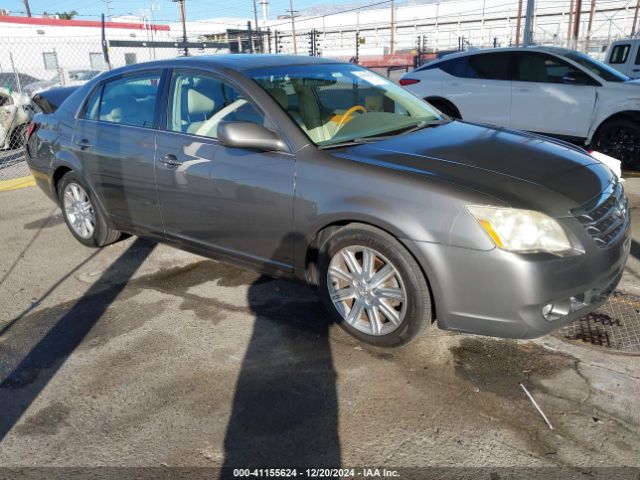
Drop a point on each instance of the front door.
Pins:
(115, 139)
(237, 201)
(542, 100)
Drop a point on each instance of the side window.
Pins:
(638, 56)
(198, 103)
(620, 53)
(489, 66)
(130, 100)
(535, 67)
(91, 108)
(456, 66)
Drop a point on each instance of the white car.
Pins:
(553, 91)
(16, 112)
(624, 56)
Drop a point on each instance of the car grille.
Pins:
(606, 218)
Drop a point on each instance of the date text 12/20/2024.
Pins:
(315, 473)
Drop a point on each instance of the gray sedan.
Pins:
(331, 174)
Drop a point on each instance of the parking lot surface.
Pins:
(141, 355)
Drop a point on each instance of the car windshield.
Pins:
(602, 70)
(339, 103)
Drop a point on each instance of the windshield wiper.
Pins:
(386, 135)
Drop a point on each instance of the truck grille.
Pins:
(606, 218)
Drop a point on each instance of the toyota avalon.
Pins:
(331, 174)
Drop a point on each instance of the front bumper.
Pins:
(501, 294)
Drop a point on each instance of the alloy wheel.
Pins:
(620, 143)
(79, 210)
(367, 290)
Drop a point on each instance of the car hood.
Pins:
(519, 169)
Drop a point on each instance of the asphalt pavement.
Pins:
(140, 355)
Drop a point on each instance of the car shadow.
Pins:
(22, 380)
(285, 408)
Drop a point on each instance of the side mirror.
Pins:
(249, 135)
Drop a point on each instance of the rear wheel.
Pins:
(619, 138)
(83, 217)
(373, 287)
(446, 108)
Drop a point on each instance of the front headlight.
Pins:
(521, 231)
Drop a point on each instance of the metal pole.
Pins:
(570, 27)
(634, 26)
(105, 45)
(27, 8)
(250, 37)
(392, 45)
(528, 24)
(255, 17)
(518, 23)
(576, 23)
(293, 28)
(591, 13)
(184, 26)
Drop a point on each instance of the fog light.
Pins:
(546, 310)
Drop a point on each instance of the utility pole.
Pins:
(634, 26)
(107, 8)
(528, 24)
(576, 23)
(591, 13)
(570, 26)
(184, 25)
(293, 27)
(255, 17)
(519, 23)
(27, 8)
(392, 45)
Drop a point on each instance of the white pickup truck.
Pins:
(624, 56)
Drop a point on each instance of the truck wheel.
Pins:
(619, 138)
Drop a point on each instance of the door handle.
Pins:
(522, 89)
(84, 144)
(636, 69)
(171, 159)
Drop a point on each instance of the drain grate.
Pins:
(615, 325)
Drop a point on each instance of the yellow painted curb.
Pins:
(16, 183)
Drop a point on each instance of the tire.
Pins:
(76, 203)
(448, 110)
(358, 301)
(619, 138)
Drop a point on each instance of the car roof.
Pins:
(533, 48)
(239, 61)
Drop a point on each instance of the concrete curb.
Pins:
(17, 183)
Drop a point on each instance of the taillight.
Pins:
(409, 81)
(31, 128)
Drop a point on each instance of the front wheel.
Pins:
(373, 287)
(619, 138)
(82, 215)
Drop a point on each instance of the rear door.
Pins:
(543, 101)
(115, 138)
(236, 201)
(479, 86)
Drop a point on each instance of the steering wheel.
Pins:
(346, 116)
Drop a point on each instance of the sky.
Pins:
(165, 10)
